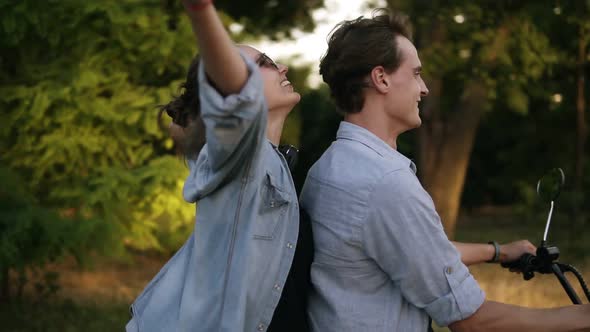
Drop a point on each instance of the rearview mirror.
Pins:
(549, 186)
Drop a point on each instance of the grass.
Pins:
(90, 299)
(63, 316)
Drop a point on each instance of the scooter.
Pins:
(546, 259)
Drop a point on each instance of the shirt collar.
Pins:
(357, 133)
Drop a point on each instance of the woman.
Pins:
(230, 274)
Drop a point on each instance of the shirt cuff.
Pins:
(462, 301)
(213, 103)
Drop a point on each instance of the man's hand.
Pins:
(512, 251)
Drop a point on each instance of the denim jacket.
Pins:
(229, 274)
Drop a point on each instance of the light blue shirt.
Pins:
(382, 260)
(229, 274)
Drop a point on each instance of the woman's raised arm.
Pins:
(223, 64)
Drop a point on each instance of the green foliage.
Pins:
(498, 45)
(79, 87)
(504, 169)
(272, 18)
(31, 235)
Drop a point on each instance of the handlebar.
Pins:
(527, 264)
(548, 188)
(545, 262)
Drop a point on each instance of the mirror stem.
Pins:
(548, 223)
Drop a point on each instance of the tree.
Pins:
(571, 19)
(545, 137)
(577, 17)
(476, 57)
(272, 18)
(79, 86)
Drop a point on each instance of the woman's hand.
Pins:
(195, 5)
(222, 61)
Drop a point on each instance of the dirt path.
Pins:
(104, 281)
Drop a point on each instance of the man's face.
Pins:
(278, 91)
(407, 87)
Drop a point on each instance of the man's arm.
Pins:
(404, 236)
(475, 253)
(494, 316)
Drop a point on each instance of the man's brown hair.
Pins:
(357, 46)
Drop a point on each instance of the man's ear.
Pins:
(379, 79)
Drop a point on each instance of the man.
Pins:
(382, 260)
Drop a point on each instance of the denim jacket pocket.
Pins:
(273, 205)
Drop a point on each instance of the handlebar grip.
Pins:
(522, 261)
(525, 264)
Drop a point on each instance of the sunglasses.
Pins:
(264, 61)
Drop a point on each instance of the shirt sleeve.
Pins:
(235, 124)
(404, 235)
(235, 129)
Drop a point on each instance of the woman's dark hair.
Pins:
(356, 47)
(185, 111)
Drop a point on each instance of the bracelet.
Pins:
(496, 258)
(196, 6)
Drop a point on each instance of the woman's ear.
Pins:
(379, 79)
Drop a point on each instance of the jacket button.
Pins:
(290, 245)
(277, 287)
(260, 327)
(272, 204)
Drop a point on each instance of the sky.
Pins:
(307, 48)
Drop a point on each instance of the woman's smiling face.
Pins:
(278, 91)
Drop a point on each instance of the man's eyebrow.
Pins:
(418, 68)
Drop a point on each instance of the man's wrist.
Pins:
(496, 257)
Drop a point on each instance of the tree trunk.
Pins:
(445, 149)
(581, 132)
(578, 222)
(446, 142)
(4, 285)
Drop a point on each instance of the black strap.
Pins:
(430, 325)
(291, 312)
(291, 155)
